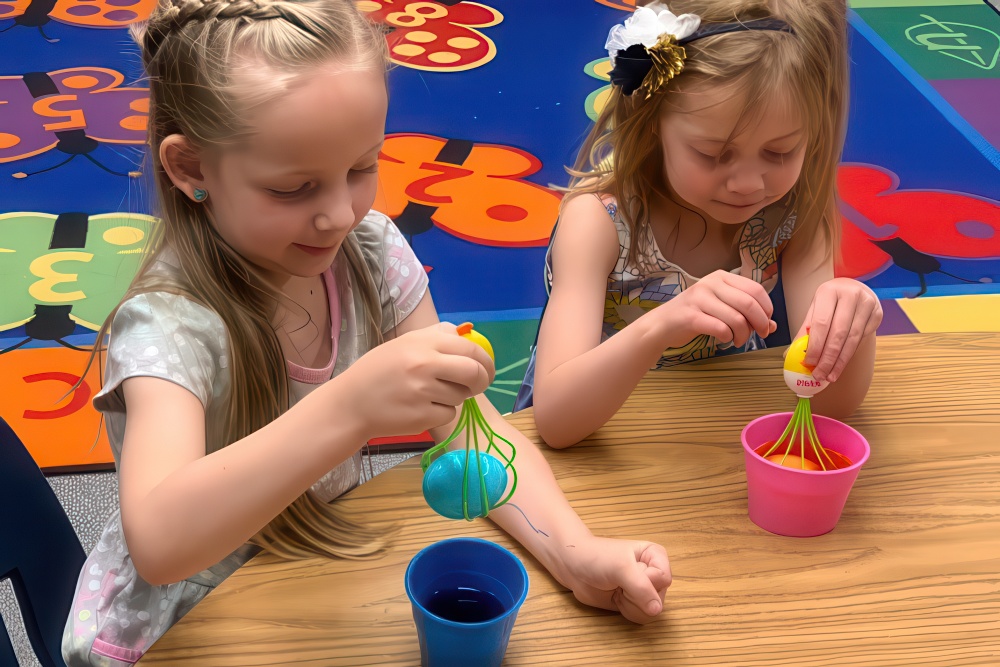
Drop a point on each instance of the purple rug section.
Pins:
(978, 101)
(894, 320)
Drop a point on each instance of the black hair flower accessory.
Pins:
(647, 50)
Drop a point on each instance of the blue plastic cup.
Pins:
(465, 594)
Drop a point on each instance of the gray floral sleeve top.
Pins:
(116, 615)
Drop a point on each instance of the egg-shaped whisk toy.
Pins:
(799, 446)
(465, 484)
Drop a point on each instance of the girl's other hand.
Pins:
(628, 576)
(842, 314)
(724, 305)
(416, 382)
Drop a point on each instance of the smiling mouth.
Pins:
(758, 203)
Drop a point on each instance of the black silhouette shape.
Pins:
(35, 16)
(910, 259)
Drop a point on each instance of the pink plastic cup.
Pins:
(794, 502)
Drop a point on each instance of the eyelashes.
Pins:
(778, 157)
(773, 156)
(305, 187)
(309, 186)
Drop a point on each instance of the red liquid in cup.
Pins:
(833, 460)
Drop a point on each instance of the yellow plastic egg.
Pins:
(795, 359)
(465, 330)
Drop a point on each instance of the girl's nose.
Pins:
(338, 213)
(745, 181)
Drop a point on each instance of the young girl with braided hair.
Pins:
(701, 219)
(276, 325)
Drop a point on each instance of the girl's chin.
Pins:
(730, 214)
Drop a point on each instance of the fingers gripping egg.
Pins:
(467, 484)
(798, 374)
(466, 331)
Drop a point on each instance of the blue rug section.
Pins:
(530, 97)
(898, 121)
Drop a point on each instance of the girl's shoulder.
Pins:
(168, 311)
(379, 239)
(588, 231)
(375, 226)
(598, 205)
(164, 302)
(168, 333)
(165, 335)
(606, 200)
(391, 263)
(604, 224)
(161, 317)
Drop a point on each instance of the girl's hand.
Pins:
(415, 382)
(843, 313)
(629, 576)
(722, 304)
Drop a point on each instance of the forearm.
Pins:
(841, 398)
(579, 396)
(538, 514)
(170, 533)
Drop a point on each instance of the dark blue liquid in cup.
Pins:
(467, 597)
(465, 593)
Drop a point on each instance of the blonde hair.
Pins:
(621, 157)
(190, 49)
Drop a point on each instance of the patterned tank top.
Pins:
(638, 287)
(635, 288)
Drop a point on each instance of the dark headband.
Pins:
(634, 63)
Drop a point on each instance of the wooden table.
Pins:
(910, 576)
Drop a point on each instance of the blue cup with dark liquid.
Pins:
(465, 594)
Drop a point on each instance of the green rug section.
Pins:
(856, 4)
(940, 41)
(511, 340)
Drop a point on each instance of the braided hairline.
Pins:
(178, 13)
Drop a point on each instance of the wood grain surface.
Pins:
(910, 576)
